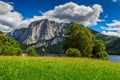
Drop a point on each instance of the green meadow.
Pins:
(57, 68)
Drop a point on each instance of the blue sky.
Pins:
(107, 19)
(29, 8)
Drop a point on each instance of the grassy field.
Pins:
(55, 68)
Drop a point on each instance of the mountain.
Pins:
(106, 38)
(41, 33)
(49, 34)
(114, 47)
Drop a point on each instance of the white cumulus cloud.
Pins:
(113, 28)
(8, 17)
(69, 12)
(4, 28)
(114, 0)
(5, 8)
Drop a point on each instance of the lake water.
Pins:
(114, 58)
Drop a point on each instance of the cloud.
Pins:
(115, 23)
(5, 8)
(4, 28)
(114, 0)
(111, 33)
(106, 16)
(102, 27)
(113, 28)
(69, 12)
(8, 17)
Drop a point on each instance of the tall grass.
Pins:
(55, 68)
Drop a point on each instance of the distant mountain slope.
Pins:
(49, 34)
(107, 39)
(114, 47)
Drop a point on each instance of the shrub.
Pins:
(72, 52)
(9, 46)
(99, 50)
(31, 51)
(10, 50)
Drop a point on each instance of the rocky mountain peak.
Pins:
(41, 33)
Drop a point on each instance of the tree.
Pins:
(80, 38)
(0, 32)
(72, 52)
(99, 50)
(9, 46)
(31, 51)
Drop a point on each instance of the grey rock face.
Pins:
(41, 33)
(17, 34)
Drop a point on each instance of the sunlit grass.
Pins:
(57, 68)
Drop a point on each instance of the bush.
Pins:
(9, 46)
(10, 50)
(72, 52)
(99, 50)
(18, 51)
(31, 51)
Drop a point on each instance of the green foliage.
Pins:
(114, 47)
(8, 46)
(31, 51)
(99, 50)
(11, 50)
(55, 68)
(0, 32)
(80, 38)
(72, 52)
(56, 48)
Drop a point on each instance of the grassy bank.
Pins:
(53, 68)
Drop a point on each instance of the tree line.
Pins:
(79, 41)
(10, 47)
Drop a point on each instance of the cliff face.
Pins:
(41, 33)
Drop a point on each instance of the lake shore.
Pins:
(114, 58)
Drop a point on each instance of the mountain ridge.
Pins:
(47, 33)
(40, 30)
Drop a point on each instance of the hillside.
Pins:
(114, 47)
(55, 68)
(107, 39)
